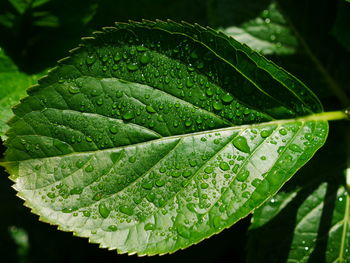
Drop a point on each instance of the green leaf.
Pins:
(314, 214)
(305, 244)
(13, 85)
(268, 33)
(153, 136)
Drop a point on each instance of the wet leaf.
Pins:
(153, 136)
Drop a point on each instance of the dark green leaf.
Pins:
(268, 33)
(153, 136)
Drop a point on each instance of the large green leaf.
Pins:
(13, 85)
(153, 136)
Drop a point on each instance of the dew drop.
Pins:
(242, 176)
(89, 168)
(127, 116)
(241, 144)
(149, 226)
(224, 166)
(150, 109)
(113, 129)
(103, 210)
(226, 98)
(144, 59)
(126, 210)
(283, 131)
(112, 228)
(296, 148)
(73, 90)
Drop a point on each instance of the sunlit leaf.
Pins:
(153, 136)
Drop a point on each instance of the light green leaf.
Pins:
(153, 136)
(13, 85)
(268, 33)
(315, 220)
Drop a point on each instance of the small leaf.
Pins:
(13, 85)
(165, 151)
(268, 33)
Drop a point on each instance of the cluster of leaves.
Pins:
(98, 149)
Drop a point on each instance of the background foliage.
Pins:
(309, 38)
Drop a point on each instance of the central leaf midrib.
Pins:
(312, 117)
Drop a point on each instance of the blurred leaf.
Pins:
(225, 13)
(13, 85)
(20, 5)
(20, 237)
(268, 33)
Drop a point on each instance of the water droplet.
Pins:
(265, 133)
(218, 105)
(132, 67)
(242, 176)
(227, 98)
(188, 123)
(204, 185)
(126, 210)
(73, 90)
(144, 59)
(150, 109)
(160, 183)
(113, 129)
(132, 159)
(186, 174)
(103, 210)
(208, 169)
(224, 166)
(149, 226)
(112, 228)
(87, 213)
(283, 131)
(51, 195)
(89, 168)
(119, 94)
(241, 144)
(127, 116)
(79, 164)
(97, 197)
(147, 185)
(296, 148)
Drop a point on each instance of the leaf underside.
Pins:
(153, 136)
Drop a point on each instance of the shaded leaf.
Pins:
(13, 85)
(268, 33)
(153, 136)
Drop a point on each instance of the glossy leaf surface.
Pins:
(153, 136)
(313, 211)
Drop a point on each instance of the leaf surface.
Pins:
(153, 136)
(314, 215)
